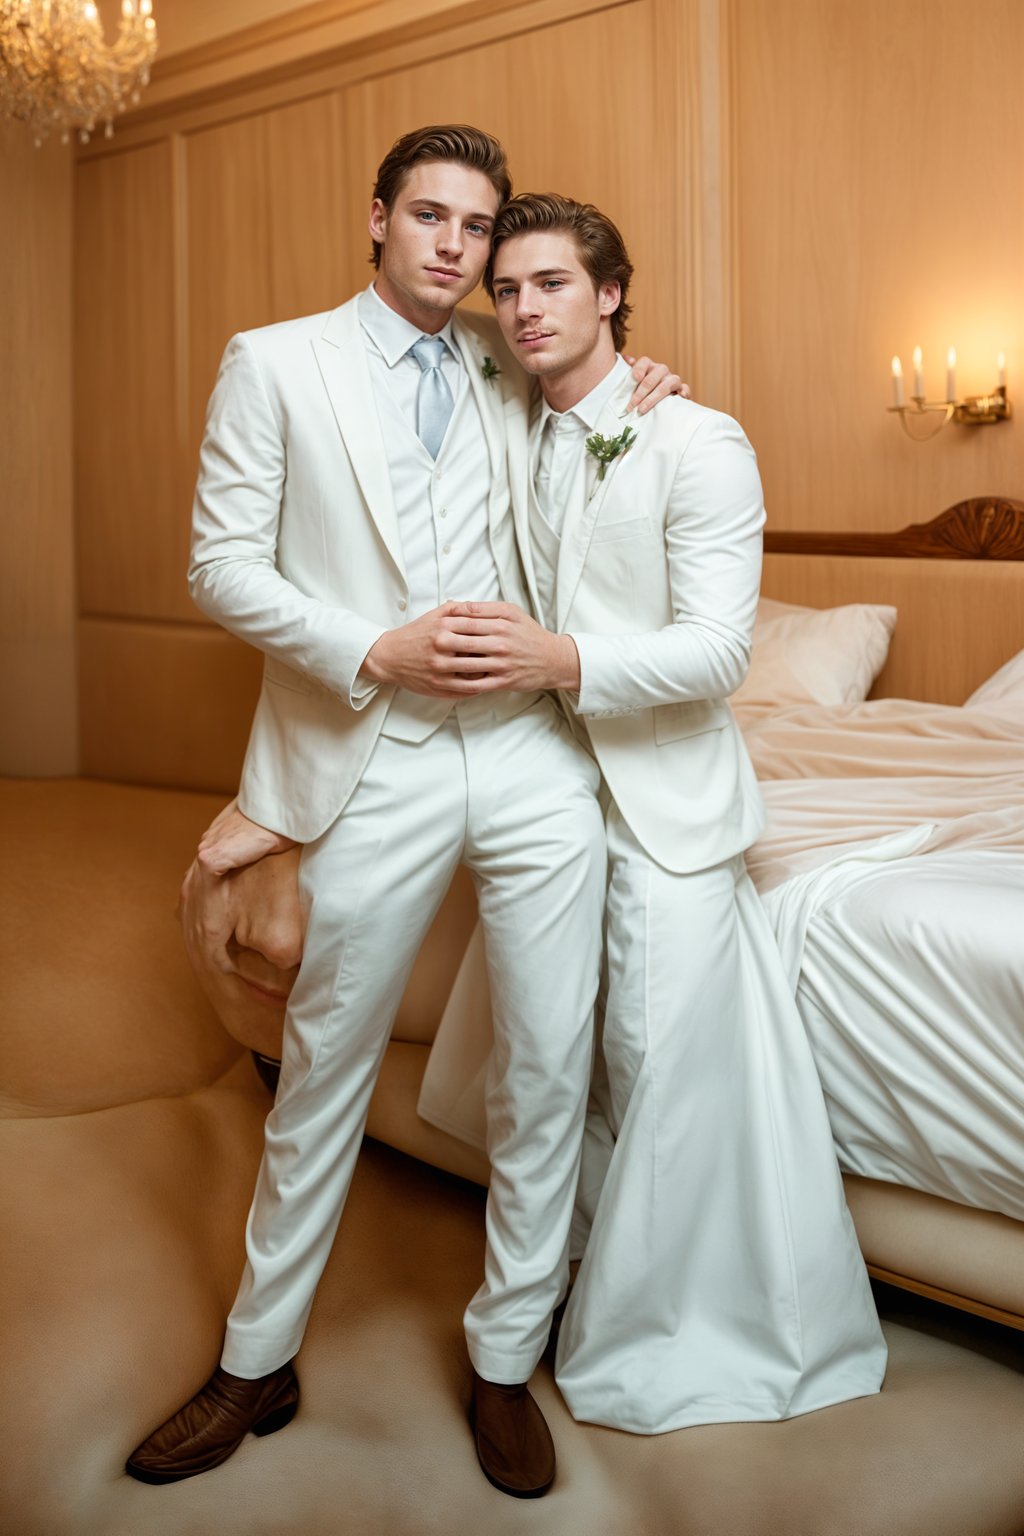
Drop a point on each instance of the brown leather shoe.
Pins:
(213, 1424)
(513, 1442)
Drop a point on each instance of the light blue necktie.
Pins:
(434, 403)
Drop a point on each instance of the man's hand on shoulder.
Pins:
(231, 841)
(654, 382)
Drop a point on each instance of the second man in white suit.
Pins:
(722, 1278)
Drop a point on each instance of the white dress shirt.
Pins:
(391, 362)
(561, 455)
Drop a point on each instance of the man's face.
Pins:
(436, 239)
(547, 306)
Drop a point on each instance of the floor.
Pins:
(129, 1136)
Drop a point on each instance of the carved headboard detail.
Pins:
(984, 528)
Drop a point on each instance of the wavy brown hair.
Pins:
(456, 142)
(601, 248)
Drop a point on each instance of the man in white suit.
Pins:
(352, 483)
(722, 1278)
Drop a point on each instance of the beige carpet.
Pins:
(128, 1150)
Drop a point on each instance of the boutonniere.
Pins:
(605, 449)
(490, 370)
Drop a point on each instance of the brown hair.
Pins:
(457, 142)
(601, 248)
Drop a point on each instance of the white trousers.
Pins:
(722, 1279)
(514, 799)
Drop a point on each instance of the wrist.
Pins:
(373, 668)
(567, 665)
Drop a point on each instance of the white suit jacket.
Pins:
(296, 549)
(657, 582)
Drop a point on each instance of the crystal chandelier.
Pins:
(57, 72)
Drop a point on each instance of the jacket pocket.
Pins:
(628, 528)
(286, 677)
(692, 717)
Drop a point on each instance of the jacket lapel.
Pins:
(490, 406)
(579, 523)
(519, 416)
(341, 357)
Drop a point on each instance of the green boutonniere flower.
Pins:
(605, 449)
(490, 370)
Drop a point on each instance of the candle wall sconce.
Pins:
(922, 419)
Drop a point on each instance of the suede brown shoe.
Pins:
(213, 1424)
(513, 1442)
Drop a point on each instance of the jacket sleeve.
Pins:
(713, 537)
(233, 575)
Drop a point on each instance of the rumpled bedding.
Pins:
(892, 867)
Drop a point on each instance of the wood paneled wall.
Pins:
(806, 188)
(37, 614)
(880, 197)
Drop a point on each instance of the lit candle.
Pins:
(1001, 365)
(951, 374)
(897, 382)
(918, 374)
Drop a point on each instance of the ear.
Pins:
(378, 225)
(609, 297)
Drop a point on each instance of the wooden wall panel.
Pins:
(131, 522)
(958, 620)
(881, 204)
(229, 280)
(37, 641)
(165, 704)
(306, 173)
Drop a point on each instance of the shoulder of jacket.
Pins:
(684, 422)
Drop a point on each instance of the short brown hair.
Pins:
(601, 248)
(457, 142)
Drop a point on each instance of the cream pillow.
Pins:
(815, 655)
(1004, 687)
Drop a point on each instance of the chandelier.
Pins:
(58, 74)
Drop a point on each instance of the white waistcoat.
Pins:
(443, 525)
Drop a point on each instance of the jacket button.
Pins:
(402, 605)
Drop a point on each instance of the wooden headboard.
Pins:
(957, 583)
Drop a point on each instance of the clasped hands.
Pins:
(461, 650)
(457, 651)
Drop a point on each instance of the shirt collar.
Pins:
(390, 332)
(588, 410)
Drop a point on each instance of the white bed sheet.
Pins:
(911, 989)
(892, 867)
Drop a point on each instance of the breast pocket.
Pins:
(627, 528)
(673, 722)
